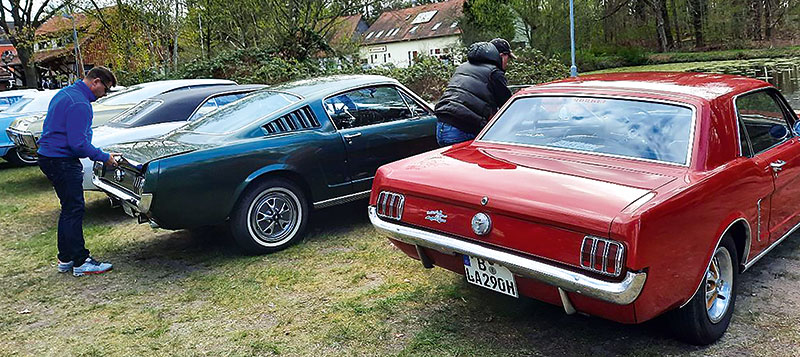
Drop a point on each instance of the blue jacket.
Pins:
(67, 130)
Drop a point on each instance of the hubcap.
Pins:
(273, 217)
(719, 284)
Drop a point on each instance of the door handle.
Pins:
(351, 136)
(777, 165)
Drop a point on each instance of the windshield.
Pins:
(38, 103)
(241, 113)
(134, 115)
(637, 129)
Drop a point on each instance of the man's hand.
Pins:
(112, 159)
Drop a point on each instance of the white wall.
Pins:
(397, 53)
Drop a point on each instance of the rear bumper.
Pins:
(622, 293)
(135, 206)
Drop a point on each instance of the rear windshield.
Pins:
(241, 113)
(620, 127)
(134, 116)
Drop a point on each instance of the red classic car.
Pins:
(624, 196)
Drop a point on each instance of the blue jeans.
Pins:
(447, 134)
(66, 175)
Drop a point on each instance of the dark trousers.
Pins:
(66, 174)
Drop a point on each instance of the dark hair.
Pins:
(104, 74)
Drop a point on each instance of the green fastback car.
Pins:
(264, 162)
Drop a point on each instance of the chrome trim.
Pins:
(632, 97)
(119, 193)
(341, 200)
(568, 308)
(773, 245)
(389, 209)
(623, 292)
(145, 202)
(748, 241)
(758, 226)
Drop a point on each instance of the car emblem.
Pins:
(436, 216)
(119, 175)
(481, 224)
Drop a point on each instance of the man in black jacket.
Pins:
(476, 91)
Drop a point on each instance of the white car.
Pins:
(159, 115)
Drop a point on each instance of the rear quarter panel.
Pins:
(202, 187)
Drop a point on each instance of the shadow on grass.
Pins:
(24, 181)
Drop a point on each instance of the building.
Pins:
(54, 51)
(399, 36)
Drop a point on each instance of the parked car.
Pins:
(623, 196)
(30, 106)
(9, 97)
(161, 114)
(264, 162)
(28, 130)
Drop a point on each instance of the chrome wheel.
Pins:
(719, 284)
(274, 216)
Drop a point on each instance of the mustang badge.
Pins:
(119, 175)
(436, 216)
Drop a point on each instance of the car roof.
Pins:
(323, 86)
(707, 86)
(198, 94)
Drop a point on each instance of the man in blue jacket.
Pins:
(67, 137)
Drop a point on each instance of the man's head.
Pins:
(505, 50)
(100, 80)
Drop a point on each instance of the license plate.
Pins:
(490, 275)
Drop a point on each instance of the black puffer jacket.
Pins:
(469, 101)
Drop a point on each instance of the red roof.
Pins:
(59, 24)
(345, 28)
(416, 23)
(703, 85)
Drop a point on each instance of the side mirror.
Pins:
(779, 131)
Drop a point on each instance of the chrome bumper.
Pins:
(140, 204)
(23, 140)
(622, 293)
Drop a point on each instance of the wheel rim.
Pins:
(26, 158)
(274, 217)
(719, 285)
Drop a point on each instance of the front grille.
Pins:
(390, 205)
(602, 256)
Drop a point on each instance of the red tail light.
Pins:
(390, 205)
(602, 255)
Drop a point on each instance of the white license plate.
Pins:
(490, 275)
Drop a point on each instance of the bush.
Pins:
(532, 67)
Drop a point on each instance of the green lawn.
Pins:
(342, 292)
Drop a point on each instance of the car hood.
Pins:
(102, 114)
(573, 194)
(110, 135)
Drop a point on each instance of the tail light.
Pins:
(390, 205)
(602, 255)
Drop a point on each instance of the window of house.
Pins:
(413, 29)
(436, 26)
(370, 34)
(454, 24)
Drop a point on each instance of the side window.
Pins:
(417, 109)
(763, 120)
(204, 109)
(367, 106)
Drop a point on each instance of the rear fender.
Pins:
(276, 169)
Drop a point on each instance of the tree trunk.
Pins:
(26, 59)
(768, 20)
(696, 8)
(755, 19)
(676, 24)
(662, 4)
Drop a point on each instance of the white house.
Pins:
(399, 36)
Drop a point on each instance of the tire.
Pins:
(270, 217)
(699, 324)
(19, 159)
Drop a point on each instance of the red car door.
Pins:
(767, 125)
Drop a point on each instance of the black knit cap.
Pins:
(503, 47)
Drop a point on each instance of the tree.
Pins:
(484, 20)
(27, 18)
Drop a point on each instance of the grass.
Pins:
(343, 291)
(743, 66)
